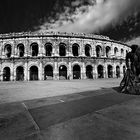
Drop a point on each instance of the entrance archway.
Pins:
(107, 51)
(48, 49)
(87, 50)
(34, 48)
(48, 72)
(6, 74)
(8, 50)
(62, 72)
(100, 71)
(117, 71)
(76, 72)
(62, 49)
(110, 71)
(20, 50)
(33, 73)
(98, 51)
(89, 73)
(75, 49)
(19, 73)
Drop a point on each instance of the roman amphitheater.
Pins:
(50, 55)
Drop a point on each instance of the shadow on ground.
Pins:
(80, 116)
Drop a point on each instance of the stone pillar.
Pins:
(70, 71)
(1, 73)
(1, 50)
(26, 48)
(56, 71)
(12, 72)
(82, 52)
(105, 71)
(56, 51)
(26, 77)
(53, 51)
(40, 72)
(114, 71)
(93, 53)
(83, 71)
(16, 51)
(93, 72)
(70, 49)
(13, 49)
(121, 70)
(103, 51)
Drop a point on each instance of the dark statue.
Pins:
(131, 81)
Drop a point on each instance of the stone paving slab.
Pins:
(27, 90)
(16, 123)
(84, 115)
(92, 126)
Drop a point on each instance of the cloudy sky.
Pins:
(118, 19)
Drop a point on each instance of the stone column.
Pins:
(70, 49)
(26, 78)
(93, 50)
(105, 71)
(114, 71)
(12, 72)
(40, 72)
(40, 49)
(16, 50)
(56, 71)
(70, 71)
(1, 73)
(121, 70)
(82, 52)
(13, 49)
(26, 47)
(56, 51)
(83, 71)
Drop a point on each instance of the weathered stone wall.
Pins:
(105, 59)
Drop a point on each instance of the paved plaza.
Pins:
(19, 91)
(68, 110)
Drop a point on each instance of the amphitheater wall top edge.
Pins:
(58, 34)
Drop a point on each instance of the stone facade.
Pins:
(49, 55)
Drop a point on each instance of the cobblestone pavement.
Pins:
(18, 91)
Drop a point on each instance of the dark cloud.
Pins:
(118, 19)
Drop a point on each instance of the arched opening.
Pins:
(6, 74)
(89, 73)
(75, 49)
(100, 71)
(48, 49)
(87, 50)
(76, 72)
(62, 72)
(122, 52)
(48, 72)
(110, 71)
(20, 73)
(98, 51)
(117, 71)
(33, 73)
(62, 49)
(115, 51)
(20, 50)
(8, 50)
(107, 51)
(34, 49)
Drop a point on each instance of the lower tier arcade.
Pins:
(29, 69)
